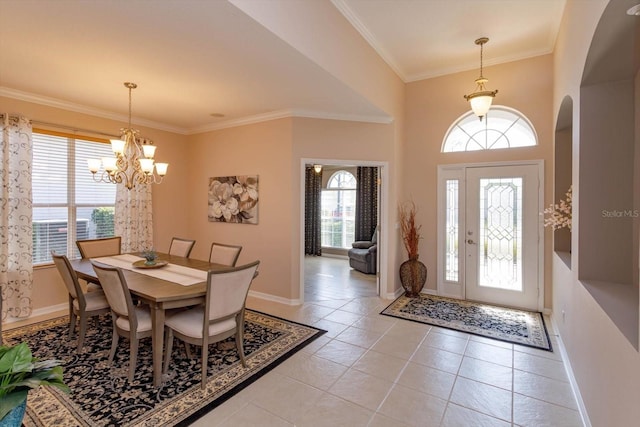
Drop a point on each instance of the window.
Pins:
(502, 127)
(338, 210)
(67, 204)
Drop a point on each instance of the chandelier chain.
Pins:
(481, 51)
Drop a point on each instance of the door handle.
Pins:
(471, 242)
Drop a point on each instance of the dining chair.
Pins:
(93, 248)
(129, 320)
(82, 305)
(220, 317)
(224, 254)
(181, 247)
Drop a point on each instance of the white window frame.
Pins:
(328, 188)
(473, 133)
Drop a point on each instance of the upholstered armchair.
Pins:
(363, 254)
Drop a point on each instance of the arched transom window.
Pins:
(502, 127)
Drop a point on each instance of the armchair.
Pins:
(363, 254)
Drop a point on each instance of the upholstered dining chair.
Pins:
(82, 305)
(93, 248)
(221, 316)
(224, 254)
(181, 247)
(129, 320)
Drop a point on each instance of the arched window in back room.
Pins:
(502, 127)
(338, 210)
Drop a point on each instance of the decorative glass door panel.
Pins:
(500, 239)
(452, 231)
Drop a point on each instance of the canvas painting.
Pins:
(234, 199)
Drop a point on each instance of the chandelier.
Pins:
(133, 162)
(481, 99)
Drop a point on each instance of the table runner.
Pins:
(181, 275)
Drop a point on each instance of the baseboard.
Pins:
(273, 298)
(429, 291)
(40, 312)
(572, 379)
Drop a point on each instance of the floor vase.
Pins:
(413, 276)
(14, 417)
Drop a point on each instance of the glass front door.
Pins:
(501, 236)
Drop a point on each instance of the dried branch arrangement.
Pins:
(410, 231)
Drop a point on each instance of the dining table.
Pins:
(178, 282)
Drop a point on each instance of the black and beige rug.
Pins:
(500, 323)
(101, 396)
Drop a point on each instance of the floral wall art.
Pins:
(234, 199)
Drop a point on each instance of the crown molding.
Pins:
(258, 118)
(242, 121)
(353, 19)
(281, 114)
(77, 108)
(346, 117)
(495, 61)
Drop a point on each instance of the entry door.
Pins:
(501, 236)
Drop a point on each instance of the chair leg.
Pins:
(187, 349)
(240, 337)
(240, 346)
(83, 330)
(168, 338)
(72, 318)
(204, 363)
(133, 357)
(114, 344)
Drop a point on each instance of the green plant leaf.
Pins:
(10, 401)
(16, 359)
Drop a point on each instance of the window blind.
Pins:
(67, 204)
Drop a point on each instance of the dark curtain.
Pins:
(366, 202)
(312, 198)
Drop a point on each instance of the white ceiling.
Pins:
(192, 58)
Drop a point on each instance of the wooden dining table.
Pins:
(159, 294)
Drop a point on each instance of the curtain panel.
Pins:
(133, 217)
(312, 212)
(16, 228)
(366, 202)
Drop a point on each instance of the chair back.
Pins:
(181, 247)
(69, 276)
(94, 248)
(224, 254)
(115, 289)
(227, 290)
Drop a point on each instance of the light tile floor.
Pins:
(373, 370)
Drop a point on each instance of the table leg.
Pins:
(157, 344)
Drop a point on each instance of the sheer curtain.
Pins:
(133, 217)
(312, 220)
(16, 235)
(366, 202)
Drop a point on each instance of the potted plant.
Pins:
(19, 373)
(413, 273)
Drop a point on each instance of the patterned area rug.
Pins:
(101, 395)
(500, 323)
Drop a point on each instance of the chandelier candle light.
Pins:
(481, 99)
(133, 162)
